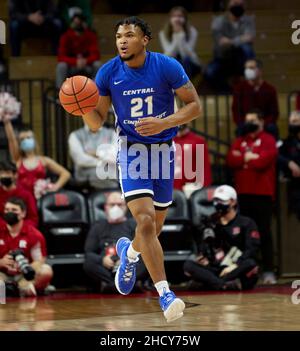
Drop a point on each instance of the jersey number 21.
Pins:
(137, 106)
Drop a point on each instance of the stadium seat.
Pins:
(176, 236)
(201, 204)
(64, 222)
(96, 202)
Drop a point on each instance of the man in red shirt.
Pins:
(17, 234)
(252, 157)
(187, 141)
(78, 51)
(255, 93)
(8, 188)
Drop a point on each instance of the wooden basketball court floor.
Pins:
(261, 309)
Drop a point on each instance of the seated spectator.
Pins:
(78, 51)
(68, 8)
(101, 260)
(30, 18)
(178, 39)
(90, 151)
(233, 35)
(289, 162)
(187, 141)
(33, 167)
(252, 158)
(8, 189)
(227, 254)
(255, 93)
(17, 234)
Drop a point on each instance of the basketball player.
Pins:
(141, 86)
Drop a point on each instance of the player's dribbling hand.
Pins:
(149, 126)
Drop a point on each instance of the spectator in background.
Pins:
(188, 140)
(255, 93)
(78, 51)
(178, 39)
(8, 188)
(33, 167)
(30, 18)
(289, 162)
(252, 157)
(90, 151)
(233, 35)
(68, 8)
(230, 243)
(101, 260)
(17, 234)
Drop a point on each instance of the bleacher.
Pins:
(272, 44)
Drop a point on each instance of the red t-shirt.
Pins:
(247, 97)
(29, 240)
(256, 177)
(188, 144)
(71, 45)
(27, 197)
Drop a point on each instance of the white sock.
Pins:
(162, 287)
(132, 254)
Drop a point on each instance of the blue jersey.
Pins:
(147, 91)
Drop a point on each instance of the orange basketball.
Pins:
(78, 95)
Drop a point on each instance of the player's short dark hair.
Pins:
(17, 201)
(256, 111)
(137, 22)
(8, 166)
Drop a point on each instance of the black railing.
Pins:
(58, 124)
(30, 93)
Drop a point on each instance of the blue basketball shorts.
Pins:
(147, 171)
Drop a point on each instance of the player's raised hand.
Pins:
(150, 125)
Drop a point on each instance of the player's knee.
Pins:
(146, 224)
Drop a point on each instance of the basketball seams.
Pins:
(75, 94)
(73, 89)
(87, 94)
(81, 108)
(78, 101)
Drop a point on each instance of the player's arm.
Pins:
(98, 116)
(192, 110)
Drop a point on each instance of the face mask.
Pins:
(27, 144)
(115, 213)
(237, 10)
(6, 181)
(221, 208)
(250, 73)
(294, 129)
(249, 127)
(11, 218)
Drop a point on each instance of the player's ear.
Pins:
(145, 40)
